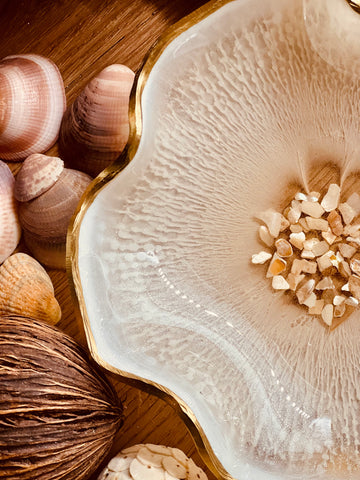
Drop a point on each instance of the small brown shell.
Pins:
(95, 128)
(37, 174)
(10, 230)
(26, 289)
(58, 412)
(32, 103)
(46, 218)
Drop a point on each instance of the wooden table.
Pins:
(82, 37)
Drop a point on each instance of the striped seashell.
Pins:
(37, 174)
(26, 289)
(10, 230)
(152, 462)
(95, 127)
(45, 219)
(32, 103)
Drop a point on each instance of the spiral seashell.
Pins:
(95, 128)
(45, 219)
(32, 103)
(152, 462)
(10, 230)
(26, 289)
(37, 174)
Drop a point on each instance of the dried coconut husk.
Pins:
(58, 412)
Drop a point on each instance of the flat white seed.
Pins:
(159, 449)
(305, 290)
(311, 300)
(277, 266)
(314, 209)
(328, 236)
(279, 283)
(339, 310)
(260, 258)
(346, 250)
(339, 299)
(354, 202)
(308, 254)
(265, 236)
(331, 199)
(352, 301)
(149, 458)
(354, 286)
(296, 228)
(345, 287)
(301, 196)
(139, 471)
(317, 308)
(283, 248)
(297, 239)
(347, 213)
(132, 450)
(324, 284)
(173, 467)
(120, 462)
(320, 248)
(327, 314)
(294, 280)
(180, 456)
(195, 472)
(317, 223)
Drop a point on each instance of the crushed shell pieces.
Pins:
(152, 462)
(315, 252)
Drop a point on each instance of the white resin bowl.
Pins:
(235, 108)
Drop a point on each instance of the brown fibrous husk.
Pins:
(58, 412)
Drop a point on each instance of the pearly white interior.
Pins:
(235, 109)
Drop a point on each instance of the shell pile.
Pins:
(26, 289)
(49, 194)
(10, 230)
(32, 103)
(152, 462)
(95, 128)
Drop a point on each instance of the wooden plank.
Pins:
(82, 37)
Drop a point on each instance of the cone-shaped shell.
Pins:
(95, 128)
(32, 103)
(10, 230)
(45, 219)
(37, 174)
(26, 289)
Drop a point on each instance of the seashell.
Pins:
(45, 219)
(37, 174)
(10, 230)
(26, 289)
(95, 128)
(152, 462)
(32, 104)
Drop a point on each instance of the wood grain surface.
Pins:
(82, 37)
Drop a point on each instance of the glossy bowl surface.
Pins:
(234, 107)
